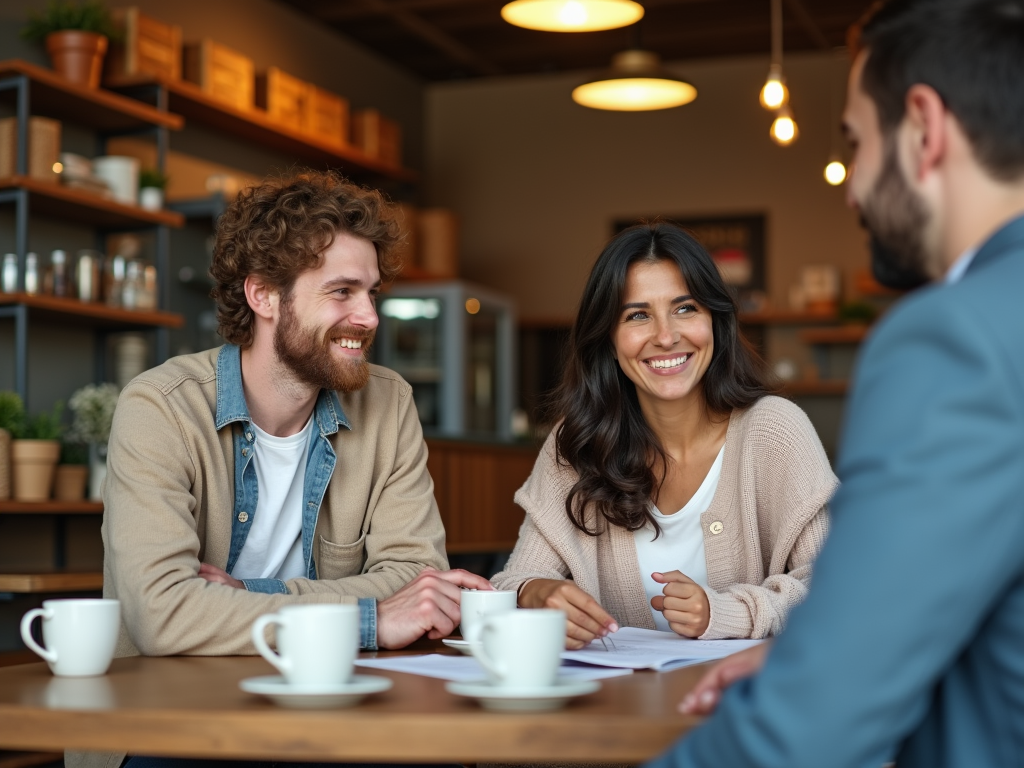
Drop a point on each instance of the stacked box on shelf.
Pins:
(328, 116)
(147, 47)
(220, 72)
(286, 98)
(377, 136)
(43, 148)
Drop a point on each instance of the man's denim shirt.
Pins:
(231, 408)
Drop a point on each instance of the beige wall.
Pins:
(538, 180)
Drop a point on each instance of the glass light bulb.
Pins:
(784, 130)
(835, 173)
(573, 14)
(774, 94)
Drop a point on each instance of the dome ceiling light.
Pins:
(572, 15)
(636, 82)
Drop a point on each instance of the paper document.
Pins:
(466, 668)
(633, 648)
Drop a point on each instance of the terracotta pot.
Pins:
(69, 484)
(33, 463)
(5, 464)
(77, 56)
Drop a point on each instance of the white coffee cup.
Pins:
(79, 635)
(475, 604)
(317, 644)
(521, 649)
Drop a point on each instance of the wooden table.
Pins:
(192, 707)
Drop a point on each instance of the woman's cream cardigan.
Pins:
(766, 523)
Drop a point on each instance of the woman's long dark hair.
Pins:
(603, 435)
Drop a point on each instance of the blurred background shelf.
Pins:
(53, 96)
(50, 199)
(51, 508)
(57, 581)
(91, 312)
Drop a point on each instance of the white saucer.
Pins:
(275, 688)
(522, 699)
(459, 645)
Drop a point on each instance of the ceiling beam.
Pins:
(430, 34)
(809, 25)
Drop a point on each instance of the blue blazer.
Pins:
(911, 641)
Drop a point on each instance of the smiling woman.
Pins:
(676, 492)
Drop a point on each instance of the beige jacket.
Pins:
(766, 523)
(169, 498)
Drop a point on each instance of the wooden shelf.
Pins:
(786, 317)
(815, 387)
(30, 759)
(846, 334)
(52, 199)
(53, 96)
(51, 507)
(58, 581)
(93, 313)
(254, 125)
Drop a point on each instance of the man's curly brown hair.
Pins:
(281, 227)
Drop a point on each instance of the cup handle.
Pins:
(260, 641)
(26, 633)
(476, 647)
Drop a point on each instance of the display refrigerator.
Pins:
(454, 343)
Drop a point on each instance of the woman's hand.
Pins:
(685, 604)
(587, 620)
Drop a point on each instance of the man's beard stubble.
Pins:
(896, 219)
(310, 358)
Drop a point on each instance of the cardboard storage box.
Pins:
(147, 47)
(438, 242)
(285, 97)
(328, 116)
(43, 148)
(220, 72)
(377, 136)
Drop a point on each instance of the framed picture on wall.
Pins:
(736, 243)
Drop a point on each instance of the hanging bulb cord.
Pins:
(777, 33)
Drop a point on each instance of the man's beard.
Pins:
(896, 219)
(309, 355)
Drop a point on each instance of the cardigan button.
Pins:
(243, 517)
(716, 528)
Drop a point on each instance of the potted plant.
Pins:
(34, 454)
(152, 184)
(72, 471)
(92, 409)
(76, 36)
(12, 417)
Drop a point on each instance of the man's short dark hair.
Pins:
(970, 51)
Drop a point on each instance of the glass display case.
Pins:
(454, 343)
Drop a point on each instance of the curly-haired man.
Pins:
(281, 468)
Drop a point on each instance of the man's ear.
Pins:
(927, 139)
(262, 299)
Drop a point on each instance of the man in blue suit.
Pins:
(911, 641)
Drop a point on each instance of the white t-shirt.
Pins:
(273, 548)
(680, 547)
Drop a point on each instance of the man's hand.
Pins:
(587, 620)
(427, 604)
(215, 575)
(685, 604)
(705, 696)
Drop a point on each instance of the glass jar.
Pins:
(9, 273)
(32, 281)
(59, 273)
(87, 275)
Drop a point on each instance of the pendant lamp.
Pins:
(572, 15)
(784, 131)
(775, 94)
(636, 82)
